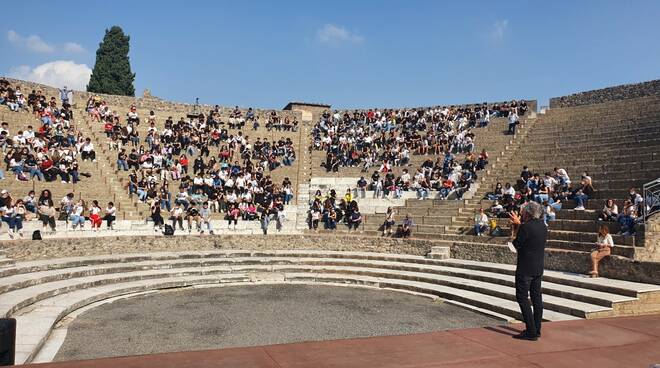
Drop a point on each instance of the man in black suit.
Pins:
(529, 239)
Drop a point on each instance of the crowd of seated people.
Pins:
(179, 158)
(75, 213)
(329, 210)
(245, 193)
(193, 136)
(555, 188)
(552, 190)
(51, 151)
(631, 213)
(367, 138)
(446, 176)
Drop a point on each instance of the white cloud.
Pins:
(333, 34)
(73, 47)
(499, 29)
(34, 43)
(55, 73)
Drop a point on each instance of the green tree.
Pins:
(112, 70)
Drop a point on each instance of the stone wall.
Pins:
(612, 267)
(146, 102)
(621, 92)
(58, 248)
(155, 103)
(651, 250)
(615, 267)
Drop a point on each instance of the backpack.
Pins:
(36, 235)
(169, 230)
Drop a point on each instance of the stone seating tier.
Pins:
(40, 293)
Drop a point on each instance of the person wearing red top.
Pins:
(483, 160)
(183, 160)
(447, 186)
(233, 215)
(108, 129)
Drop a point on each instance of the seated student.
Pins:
(562, 176)
(422, 186)
(610, 211)
(192, 215)
(627, 218)
(525, 175)
(447, 187)
(483, 160)
(389, 222)
(583, 193)
(76, 214)
(156, 216)
(604, 244)
(110, 215)
(205, 215)
(548, 213)
(496, 194)
(405, 230)
(480, 222)
(508, 193)
(232, 215)
(176, 216)
(638, 201)
(498, 210)
(87, 151)
(354, 220)
(95, 215)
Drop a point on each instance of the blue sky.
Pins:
(345, 53)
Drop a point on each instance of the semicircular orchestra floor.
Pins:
(213, 318)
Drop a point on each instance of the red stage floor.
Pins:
(616, 342)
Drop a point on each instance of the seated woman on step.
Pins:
(389, 222)
(604, 244)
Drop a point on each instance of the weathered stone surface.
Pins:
(615, 267)
(621, 92)
(579, 262)
(58, 248)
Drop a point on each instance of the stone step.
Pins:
(499, 305)
(615, 286)
(427, 273)
(44, 315)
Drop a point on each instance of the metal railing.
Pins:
(651, 193)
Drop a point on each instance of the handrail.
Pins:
(651, 193)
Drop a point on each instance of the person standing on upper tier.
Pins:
(529, 238)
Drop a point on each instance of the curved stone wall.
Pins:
(620, 92)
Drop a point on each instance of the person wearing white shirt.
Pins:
(480, 222)
(405, 178)
(604, 244)
(563, 177)
(110, 215)
(513, 121)
(87, 151)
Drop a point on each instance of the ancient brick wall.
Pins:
(621, 92)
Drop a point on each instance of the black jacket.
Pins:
(530, 244)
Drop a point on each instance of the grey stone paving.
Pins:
(215, 318)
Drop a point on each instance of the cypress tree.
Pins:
(112, 70)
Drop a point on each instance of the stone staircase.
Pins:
(433, 217)
(619, 149)
(40, 293)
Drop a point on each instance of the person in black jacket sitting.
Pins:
(529, 238)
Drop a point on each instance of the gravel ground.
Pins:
(212, 318)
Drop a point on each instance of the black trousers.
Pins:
(529, 287)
